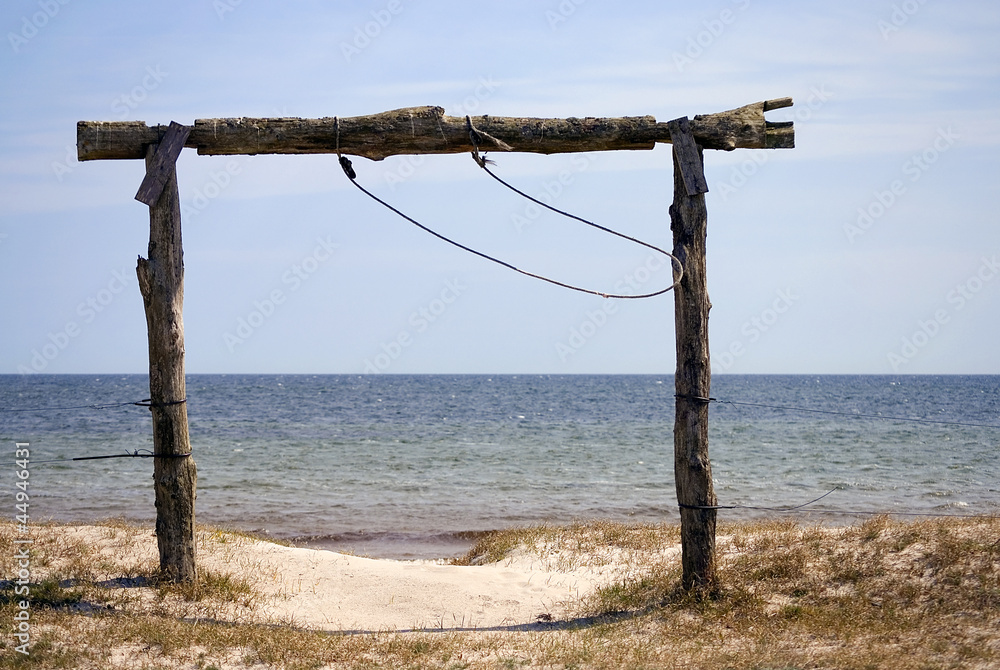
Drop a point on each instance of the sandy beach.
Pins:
(325, 590)
(591, 595)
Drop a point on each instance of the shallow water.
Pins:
(413, 466)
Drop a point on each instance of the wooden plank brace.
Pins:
(164, 163)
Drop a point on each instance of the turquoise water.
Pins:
(416, 465)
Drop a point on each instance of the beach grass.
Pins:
(883, 593)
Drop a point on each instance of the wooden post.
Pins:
(692, 381)
(161, 282)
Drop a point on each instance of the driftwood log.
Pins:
(427, 130)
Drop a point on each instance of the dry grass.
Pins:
(882, 594)
(593, 544)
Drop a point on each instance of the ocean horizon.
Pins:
(412, 466)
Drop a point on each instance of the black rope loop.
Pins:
(148, 402)
(695, 398)
(345, 162)
(476, 136)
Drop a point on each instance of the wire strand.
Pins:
(796, 508)
(484, 162)
(890, 513)
(677, 269)
(57, 409)
(134, 454)
(762, 509)
(146, 402)
(475, 135)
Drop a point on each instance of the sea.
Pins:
(418, 466)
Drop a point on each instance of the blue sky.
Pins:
(872, 247)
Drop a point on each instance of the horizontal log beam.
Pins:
(427, 130)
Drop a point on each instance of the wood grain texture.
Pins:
(428, 130)
(163, 164)
(688, 156)
(692, 380)
(161, 283)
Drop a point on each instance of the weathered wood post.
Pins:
(161, 282)
(692, 380)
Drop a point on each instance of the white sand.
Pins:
(325, 590)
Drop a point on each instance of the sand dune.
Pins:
(325, 590)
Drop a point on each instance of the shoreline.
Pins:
(390, 545)
(436, 544)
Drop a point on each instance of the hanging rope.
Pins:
(677, 268)
(476, 135)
